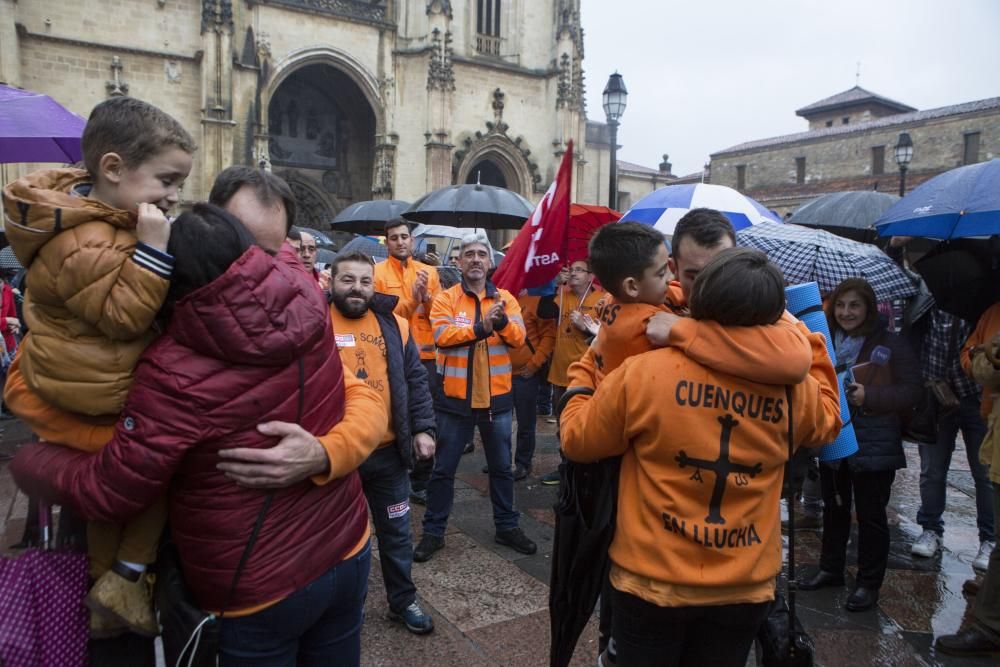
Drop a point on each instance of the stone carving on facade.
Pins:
(498, 104)
(369, 11)
(564, 86)
(385, 167)
(172, 70)
(217, 15)
(440, 73)
(439, 7)
(117, 86)
(496, 138)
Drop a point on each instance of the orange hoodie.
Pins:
(540, 338)
(622, 335)
(785, 340)
(986, 328)
(686, 534)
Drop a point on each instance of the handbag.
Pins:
(190, 635)
(782, 640)
(43, 621)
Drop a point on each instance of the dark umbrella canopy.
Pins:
(368, 217)
(366, 245)
(36, 128)
(585, 526)
(485, 206)
(849, 214)
(8, 261)
(963, 276)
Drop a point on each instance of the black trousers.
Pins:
(647, 635)
(870, 494)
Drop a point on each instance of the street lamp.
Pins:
(904, 153)
(614, 97)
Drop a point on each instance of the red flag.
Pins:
(539, 250)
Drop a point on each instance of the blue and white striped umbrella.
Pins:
(664, 207)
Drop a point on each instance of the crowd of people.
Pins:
(198, 386)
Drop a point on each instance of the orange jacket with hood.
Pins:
(704, 443)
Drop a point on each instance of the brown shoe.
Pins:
(970, 588)
(125, 602)
(104, 627)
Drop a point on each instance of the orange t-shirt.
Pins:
(362, 350)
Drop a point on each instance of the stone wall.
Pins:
(844, 161)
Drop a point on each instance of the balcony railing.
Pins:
(488, 45)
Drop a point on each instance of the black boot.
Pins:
(821, 580)
(862, 599)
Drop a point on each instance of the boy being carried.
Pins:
(95, 244)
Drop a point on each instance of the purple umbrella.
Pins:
(36, 128)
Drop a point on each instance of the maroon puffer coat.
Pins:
(227, 362)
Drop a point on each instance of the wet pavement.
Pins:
(490, 604)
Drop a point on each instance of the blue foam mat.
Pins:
(804, 302)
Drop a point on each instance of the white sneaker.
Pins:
(928, 544)
(982, 559)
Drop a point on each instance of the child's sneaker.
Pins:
(124, 595)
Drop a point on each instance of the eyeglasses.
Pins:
(579, 270)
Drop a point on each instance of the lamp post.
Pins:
(903, 152)
(614, 98)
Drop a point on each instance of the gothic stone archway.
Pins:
(321, 137)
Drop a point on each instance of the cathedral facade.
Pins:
(348, 100)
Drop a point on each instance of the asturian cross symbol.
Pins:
(722, 467)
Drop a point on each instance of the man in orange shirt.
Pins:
(415, 284)
(376, 346)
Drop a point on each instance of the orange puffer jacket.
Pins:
(93, 291)
(456, 316)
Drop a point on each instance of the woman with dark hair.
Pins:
(881, 376)
(248, 341)
(697, 544)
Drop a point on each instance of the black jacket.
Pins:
(893, 391)
(410, 395)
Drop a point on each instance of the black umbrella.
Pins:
(848, 214)
(963, 275)
(585, 526)
(485, 206)
(8, 261)
(366, 245)
(368, 217)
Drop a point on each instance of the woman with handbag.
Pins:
(248, 340)
(882, 381)
(704, 442)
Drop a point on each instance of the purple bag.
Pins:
(43, 621)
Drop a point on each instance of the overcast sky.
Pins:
(709, 74)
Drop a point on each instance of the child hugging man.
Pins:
(94, 243)
(631, 262)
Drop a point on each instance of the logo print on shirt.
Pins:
(362, 372)
(722, 467)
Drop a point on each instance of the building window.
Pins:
(488, 27)
(878, 160)
(971, 152)
(741, 177)
(800, 170)
(829, 123)
(845, 120)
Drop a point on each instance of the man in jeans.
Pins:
(941, 360)
(377, 347)
(474, 323)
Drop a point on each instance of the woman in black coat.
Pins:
(881, 376)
